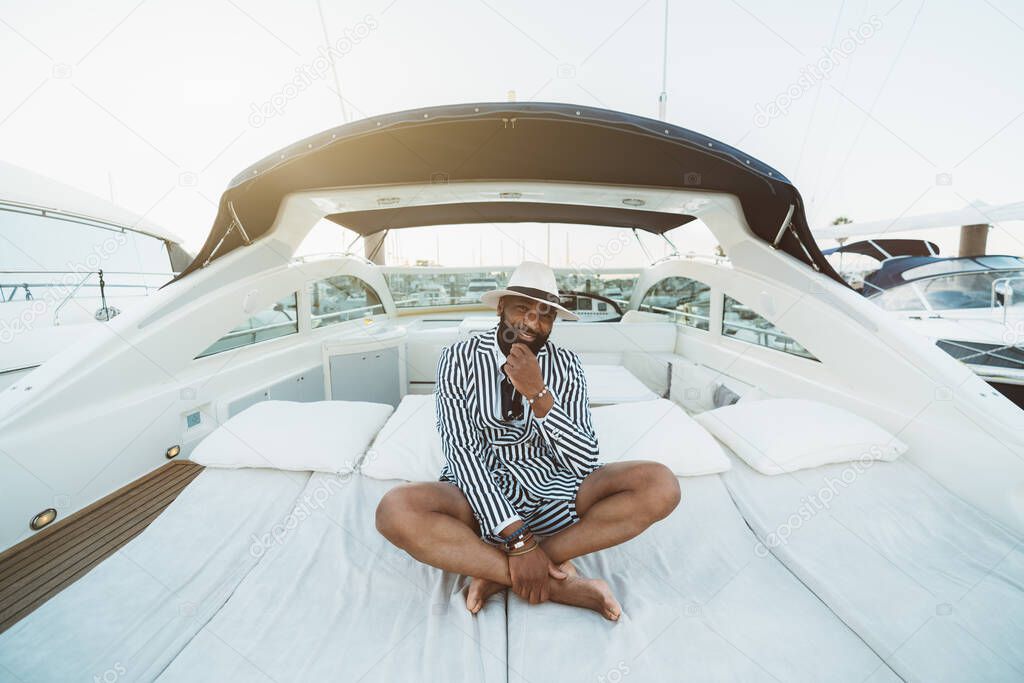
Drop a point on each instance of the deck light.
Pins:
(633, 201)
(173, 451)
(388, 201)
(511, 195)
(42, 519)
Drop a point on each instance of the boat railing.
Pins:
(53, 290)
(764, 334)
(347, 314)
(67, 298)
(1002, 292)
(253, 331)
(675, 313)
(10, 288)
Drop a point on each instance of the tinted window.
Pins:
(969, 290)
(684, 300)
(277, 321)
(739, 321)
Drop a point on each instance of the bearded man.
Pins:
(522, 490)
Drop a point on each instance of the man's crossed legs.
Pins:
(434, 523)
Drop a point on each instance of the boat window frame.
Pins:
(297, 322)
(681, 318)
(311, 318)
(775, 331)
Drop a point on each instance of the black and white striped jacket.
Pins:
(546, 457)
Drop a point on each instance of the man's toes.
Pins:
(479, 591)
(474, 596)
(612, 608)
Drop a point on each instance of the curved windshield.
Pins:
(901, 298)
(428, 287)
(441, 266)
(58, 259)
(958, 290)
(972, 290)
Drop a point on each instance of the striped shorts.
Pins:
(545, 517)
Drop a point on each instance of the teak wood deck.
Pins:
(44, 564)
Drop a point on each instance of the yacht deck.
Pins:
(41, 566)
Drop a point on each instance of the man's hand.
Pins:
(523, 370)
(530, 574)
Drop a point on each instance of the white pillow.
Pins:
(323, 436)
(657, 430)
(409, 446)
(779, 435)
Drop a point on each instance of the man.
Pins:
(522, 491)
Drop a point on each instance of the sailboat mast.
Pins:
(663, 98)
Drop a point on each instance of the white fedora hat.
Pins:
(531, 280)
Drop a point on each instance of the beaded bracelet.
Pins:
(519, 543)
(538, 396)
(515, 535)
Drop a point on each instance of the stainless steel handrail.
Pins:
(1007, 295)
(56, 311)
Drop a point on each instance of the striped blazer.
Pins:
(547, 457)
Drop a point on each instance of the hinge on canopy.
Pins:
(785, 224)
(236, 224)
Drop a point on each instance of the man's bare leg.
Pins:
(615, 503)
(434, 523)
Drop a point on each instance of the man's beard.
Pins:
(507, 336)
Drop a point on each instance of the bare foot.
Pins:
(569, 568)
(593, 594)
(479, 591)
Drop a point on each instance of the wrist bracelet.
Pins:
(518, 544)
(523, 552)
(515, 535)
(543, 392)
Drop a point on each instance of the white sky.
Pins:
(151, 101)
